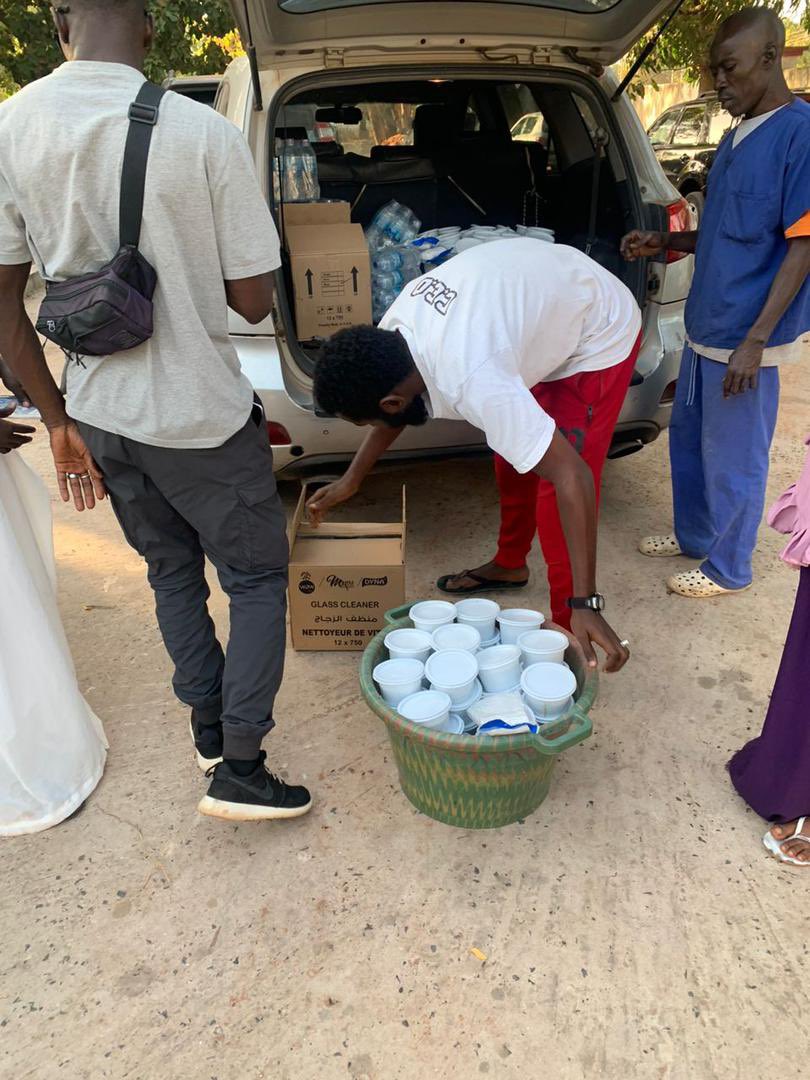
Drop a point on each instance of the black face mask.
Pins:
(413, 415)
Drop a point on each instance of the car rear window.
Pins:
(690, 127)
(661, 130)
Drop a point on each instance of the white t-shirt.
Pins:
(502, 317)
(204, 220)
(751, 123)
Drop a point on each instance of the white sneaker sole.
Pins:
(204, 763)
(232, 811)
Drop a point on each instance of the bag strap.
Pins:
(143, 115)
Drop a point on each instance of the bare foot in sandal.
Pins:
(794, 846)
(488, 576)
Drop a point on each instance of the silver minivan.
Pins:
(417, 101)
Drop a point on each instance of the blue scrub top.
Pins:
(756, 192)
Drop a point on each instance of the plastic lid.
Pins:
(406, 636)
(424, 705)
(549, 681)
(497, 656)
(432, 610)
(479, 606)
(451, 668)
(453, 634)
(520, 615)
(542, 640)
(399, 670)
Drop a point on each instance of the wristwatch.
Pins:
(596, 602)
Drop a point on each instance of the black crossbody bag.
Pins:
(110, 310)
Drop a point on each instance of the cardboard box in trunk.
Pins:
(337, 212)
(344, 576)
(331, 274)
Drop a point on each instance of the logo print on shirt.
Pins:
(435, 293)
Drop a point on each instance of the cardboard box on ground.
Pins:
(331, 268)
(344, 576)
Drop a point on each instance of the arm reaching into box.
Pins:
(373, 447)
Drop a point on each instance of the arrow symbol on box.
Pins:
(355, 274)
(309, 276)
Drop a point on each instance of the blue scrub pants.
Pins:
(718, 450)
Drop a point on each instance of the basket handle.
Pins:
(397, 613)
(579, 728)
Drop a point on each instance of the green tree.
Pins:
(185, 40)
(685, 42)
(185, 33)
(28, 48)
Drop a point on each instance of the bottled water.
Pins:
(310, 188)
(387, 259)
(392, 224)
(394, 260)
(381, 301)
(391, 280)
(411, 262)
(295, 172)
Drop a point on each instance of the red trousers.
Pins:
(585, 408)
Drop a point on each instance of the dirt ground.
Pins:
(632, 927)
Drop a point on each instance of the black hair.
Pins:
(357, 368)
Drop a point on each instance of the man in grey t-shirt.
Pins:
(168, 429)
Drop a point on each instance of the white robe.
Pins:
(52, 746)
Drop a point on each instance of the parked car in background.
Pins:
(685, 139)
(530, 128)
(423, 108)
(202, 88)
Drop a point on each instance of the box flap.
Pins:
(316, 213)
(295, 521)
(337, 552)
(300, 526)
(348, 530)
(325, 239)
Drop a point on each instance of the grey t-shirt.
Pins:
(204, 221)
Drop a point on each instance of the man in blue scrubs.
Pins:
(748, 309)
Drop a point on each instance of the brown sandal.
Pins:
(481, 583)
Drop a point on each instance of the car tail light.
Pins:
(678, 221)
(279, 436)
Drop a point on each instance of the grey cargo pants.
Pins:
(177, 506)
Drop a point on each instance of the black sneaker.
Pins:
(260, 796)
(207, 741)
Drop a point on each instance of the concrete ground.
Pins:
(632, 927)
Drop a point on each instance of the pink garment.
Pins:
(791, 514)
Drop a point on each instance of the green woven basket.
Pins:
(479, 782)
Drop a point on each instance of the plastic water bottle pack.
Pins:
(295, 173)
(392, 224)
(394, 262)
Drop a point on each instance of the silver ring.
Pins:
(72, 475)
(625, 644)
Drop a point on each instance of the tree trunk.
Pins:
(706, 81)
